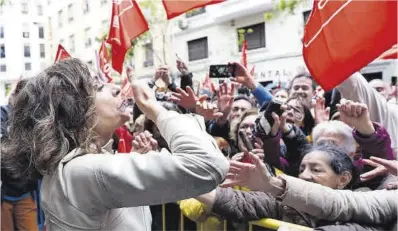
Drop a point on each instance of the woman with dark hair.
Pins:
(326, 164)
(61, 128)
(19, 204)
(299, 114)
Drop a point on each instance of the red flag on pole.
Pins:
(175, 8)
(244, 54)
(61, 54)
(128, 22)
(252, 70)
(103, 61)
(340, 37)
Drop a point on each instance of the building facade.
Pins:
(24, 49)
(210, 35)
(30, 31)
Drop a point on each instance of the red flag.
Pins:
(252, 70)
(340, 37)
(177, 7)
(103, 60)
(244, 54)
(127, 23)
(61, 54)
(390, 54)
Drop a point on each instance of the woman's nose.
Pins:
(306, 175)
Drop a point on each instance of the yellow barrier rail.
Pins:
(265, 223)
(275, 224)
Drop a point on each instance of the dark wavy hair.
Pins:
(52, 115)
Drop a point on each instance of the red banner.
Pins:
(175, 8)
(104, 64)
(244, 54)
(61, 54)
(127, 23)
(343, 36)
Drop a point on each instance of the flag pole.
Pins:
(98, 67)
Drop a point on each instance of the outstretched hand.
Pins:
(382, 168)
(186, 99)
(254, 176)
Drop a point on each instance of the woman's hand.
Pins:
(186, 99)
(243, 76)
(382, 168)
(225, 100)
(322, 113)
(145, 99)
(279, 123)
(254, 176)
(143, 143)
(208, 110)
(356, 115)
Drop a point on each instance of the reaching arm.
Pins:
(240, 206)
(372, 207)
(357, 89)
(196, 166)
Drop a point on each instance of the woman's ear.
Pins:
(345, 179)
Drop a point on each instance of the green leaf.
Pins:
(268, 16)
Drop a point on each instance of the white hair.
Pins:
(335, 127)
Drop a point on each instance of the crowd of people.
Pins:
(80, 154)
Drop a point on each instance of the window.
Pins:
(70, 12)
(1, 32)
(60, 18)
(26, 50)
(306, 15)
(86, 7)
(197, 49)
(254, 35)
(103, 2)
(87, 42)
(40, 10)
(24, 8)
(3, 68)
(2, 51)
(148, 55)
(25, 30)
(72, 43)
(41, 32)
(42, 51)
(28, 66)
(195, 12)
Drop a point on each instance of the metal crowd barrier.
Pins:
(265, 223)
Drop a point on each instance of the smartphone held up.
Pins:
(222, 71)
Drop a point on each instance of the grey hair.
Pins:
(339, 128)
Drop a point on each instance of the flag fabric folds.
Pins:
(127, 23)
(104, 64)
(340, 37)
(244, 54)
(175, 8)
(61, 54)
